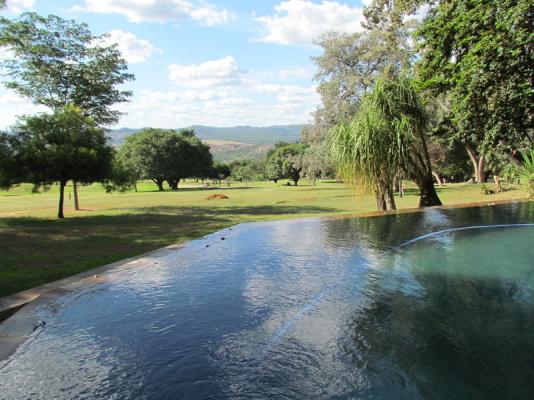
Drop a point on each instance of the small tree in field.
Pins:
(57, 148)
(285, 161)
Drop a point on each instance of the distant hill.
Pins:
(241, 134)
(233, 143)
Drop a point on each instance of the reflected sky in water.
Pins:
(321, 309)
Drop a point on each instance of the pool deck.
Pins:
(17, 311)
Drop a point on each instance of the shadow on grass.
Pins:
(35, 251)
(197, 189)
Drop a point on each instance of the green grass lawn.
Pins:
(36, 248)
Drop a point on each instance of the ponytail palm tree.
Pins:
(385, 138)
(527, 169)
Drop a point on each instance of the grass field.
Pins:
(36, 248)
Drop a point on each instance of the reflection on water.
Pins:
(320, 309)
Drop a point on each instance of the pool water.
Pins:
(309, 309)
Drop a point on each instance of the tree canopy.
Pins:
(166, 155)
(285, 161)
(57, 62)
(57, 147)
(384, 139)
(479, 54)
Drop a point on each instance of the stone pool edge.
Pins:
(19, 321)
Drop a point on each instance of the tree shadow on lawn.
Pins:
(35, 251)
(197, 189)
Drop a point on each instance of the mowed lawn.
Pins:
(36, 247)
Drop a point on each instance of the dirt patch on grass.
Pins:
(217, 197)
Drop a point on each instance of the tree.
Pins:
(166, 155)
(220, 171)
(449, 160)
(247, 170)
(479, 55)
(286, 161)
(58, 62)
(527, 169)
(316, 162)
(386, 137)
(8, 170)
(348, 68)
(58, 147)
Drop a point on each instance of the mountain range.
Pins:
(232, 143)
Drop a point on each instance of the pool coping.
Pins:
(18, 309)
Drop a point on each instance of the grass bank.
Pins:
(36, 248)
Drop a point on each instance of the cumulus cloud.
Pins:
(212, 73)
(133, 49)
(161, 10)
(300, 22)
(18, 6)
(12, 106)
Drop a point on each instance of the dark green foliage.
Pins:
(449, 160)
(220, 171)
(247, 170)
(166, 155)
(8, 171)
(479, 53)
(59, 147)
(286, 160)
(58, 62)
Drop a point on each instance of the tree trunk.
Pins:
(61, 197)
(75, 191)
(135, 187)
(390, 199)
(173, 183)
(159, 182)
(380, 202)
(401, 188)
(478, 164)
(481, 177)
(429, 196)
(438, 178)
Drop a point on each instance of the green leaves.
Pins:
(58, 62)
(166, 155)
(384, 139)
(527, 169)
(479, 53)
(286, 161)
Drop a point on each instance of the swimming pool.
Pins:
(350, 308)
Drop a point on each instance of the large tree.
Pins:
(386, 137)
(59, 147)
(479, 54)
(57, 62)
(166, 156)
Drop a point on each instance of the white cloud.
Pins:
(18, 6)
(219, 92)
(160, 10)
(300, 22)
(133, 49)
(12, 106)
(212, 73)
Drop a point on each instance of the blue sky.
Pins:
(209, 62)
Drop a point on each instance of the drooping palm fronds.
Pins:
(385, 137)
(527, 169)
